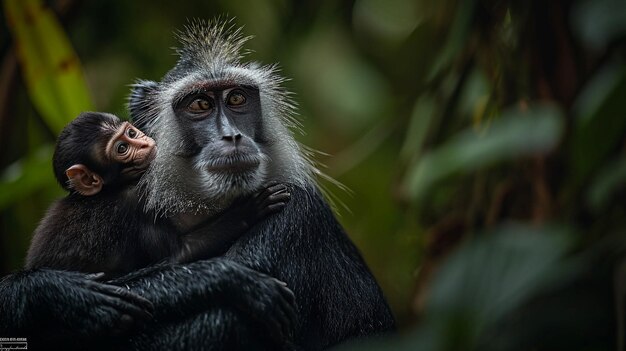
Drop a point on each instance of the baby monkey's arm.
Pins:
(213, 238)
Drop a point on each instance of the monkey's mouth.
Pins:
(151, 156)
(143, 164)
(138, 169)
(234, 164)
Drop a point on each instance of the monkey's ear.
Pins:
(83, 180)
(141, 104)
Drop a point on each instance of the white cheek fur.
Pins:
(172, 186)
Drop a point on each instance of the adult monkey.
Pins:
(303, 246)
(225, 124)
(67, 310)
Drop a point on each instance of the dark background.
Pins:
(482, 143)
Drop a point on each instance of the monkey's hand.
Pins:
(72, 305)
(179, 291)
(249, 211)
(115, 310)
(215, 237)
(266, 300)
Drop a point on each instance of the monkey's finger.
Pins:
(95, 276)
(270, 198)
(271, 183)
(123, 294)
(265, 190)
(277, 188)
(288, 301)
(279, 197)
(127, 308)
(270, 209)
(284, 288)
(291, 297)
(278, 281)
(126, 295)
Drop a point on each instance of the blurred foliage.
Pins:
(50, 67)
(54, 82)
(484, 143)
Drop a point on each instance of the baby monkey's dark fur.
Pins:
(224, 124)
(108, 231)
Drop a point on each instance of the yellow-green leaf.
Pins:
(50, 66)
(22, 178)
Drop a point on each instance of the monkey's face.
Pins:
(130, 148)
(222, 126)
(222, 135)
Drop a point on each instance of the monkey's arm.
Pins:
(215, 237)
(50, 306)
(180, 291)
(306, 247)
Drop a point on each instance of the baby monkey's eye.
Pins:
(122, 148)
(132, 133)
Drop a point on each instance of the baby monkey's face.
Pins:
(132, 148)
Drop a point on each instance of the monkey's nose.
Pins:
(232, 138)
(147, 143)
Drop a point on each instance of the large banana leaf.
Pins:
(55, 83)
(49, 65)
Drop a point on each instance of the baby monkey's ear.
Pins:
(83, 180)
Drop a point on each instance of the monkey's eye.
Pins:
(199, 105)
(132, 133)
(122, 148)
(235, 98)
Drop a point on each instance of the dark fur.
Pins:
(109, 232)
(303, 245)
(68, 310)
(337, 297)
(77, 143)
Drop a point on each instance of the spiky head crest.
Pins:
(209, 44)
(212, 51)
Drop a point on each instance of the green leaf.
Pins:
(519, 257)
(599, 22)
(50, 66)
(605, 184)
(457, 38)
(481, 283)
(600, 124)
(22, 178)
(514, 134)
(421, 120)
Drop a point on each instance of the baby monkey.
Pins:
(101, 226)
(97, 149)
